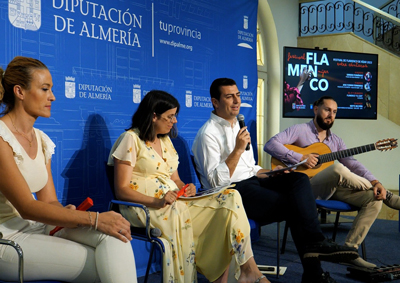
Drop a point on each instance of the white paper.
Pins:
(291, 167)
(204, 193)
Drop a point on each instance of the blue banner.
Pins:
(104, 56)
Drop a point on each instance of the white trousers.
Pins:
(72, 255)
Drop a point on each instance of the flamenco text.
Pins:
(312, 60)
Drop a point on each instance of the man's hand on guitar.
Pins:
(312, 160)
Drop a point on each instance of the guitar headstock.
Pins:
(386, 144)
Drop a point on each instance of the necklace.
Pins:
(22, 134)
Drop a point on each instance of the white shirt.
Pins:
(214, 142)
(33, 170)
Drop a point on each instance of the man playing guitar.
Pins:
(348, 180)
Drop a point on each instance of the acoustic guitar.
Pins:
(326, 158)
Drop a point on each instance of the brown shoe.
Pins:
(359, 262)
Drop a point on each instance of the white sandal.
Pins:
(259, 279)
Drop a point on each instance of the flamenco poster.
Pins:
(350, 78)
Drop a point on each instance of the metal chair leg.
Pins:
(161, 248)
(20, 257)
(364, 250)
(152, 251)
(285, 233)
(278, 245)
(336, 225)
(149, 263)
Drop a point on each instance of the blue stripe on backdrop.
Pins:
(104, 56)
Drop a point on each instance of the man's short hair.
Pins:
(215, 90)
(320, 101)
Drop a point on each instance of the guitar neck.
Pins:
(346, 153)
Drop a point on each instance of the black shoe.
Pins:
(327, 250)
(325, 278)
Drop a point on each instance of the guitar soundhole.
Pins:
(317, 166)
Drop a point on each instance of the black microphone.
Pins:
(240, 118)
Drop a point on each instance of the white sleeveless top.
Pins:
(33, 170)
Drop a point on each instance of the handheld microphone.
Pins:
(240, 118)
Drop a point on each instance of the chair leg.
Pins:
(323, 213)
(364, 250)
(21, 266)
(162, 262)
(278, 245)
(285, 233)
(335, 227)
(20, 254)
(149, 263)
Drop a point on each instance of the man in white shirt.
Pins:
(222, 159)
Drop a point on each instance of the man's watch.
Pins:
(375, 182)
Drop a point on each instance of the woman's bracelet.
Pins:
(97, 218)
(90, 219)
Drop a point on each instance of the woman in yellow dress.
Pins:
(200, 234)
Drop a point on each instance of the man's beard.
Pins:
(322, 124)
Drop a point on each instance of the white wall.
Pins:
(384, 165)
(272, 32)
(285, 14)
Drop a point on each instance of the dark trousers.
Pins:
(285, 197)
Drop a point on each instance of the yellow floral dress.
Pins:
(199, 234)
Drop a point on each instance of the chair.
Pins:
(147, 233)
(325, 207)
(20, 256)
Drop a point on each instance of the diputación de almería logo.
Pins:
(24, 14)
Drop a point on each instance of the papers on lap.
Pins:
(204, 193)
(291, 167)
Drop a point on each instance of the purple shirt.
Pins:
(305, 134)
